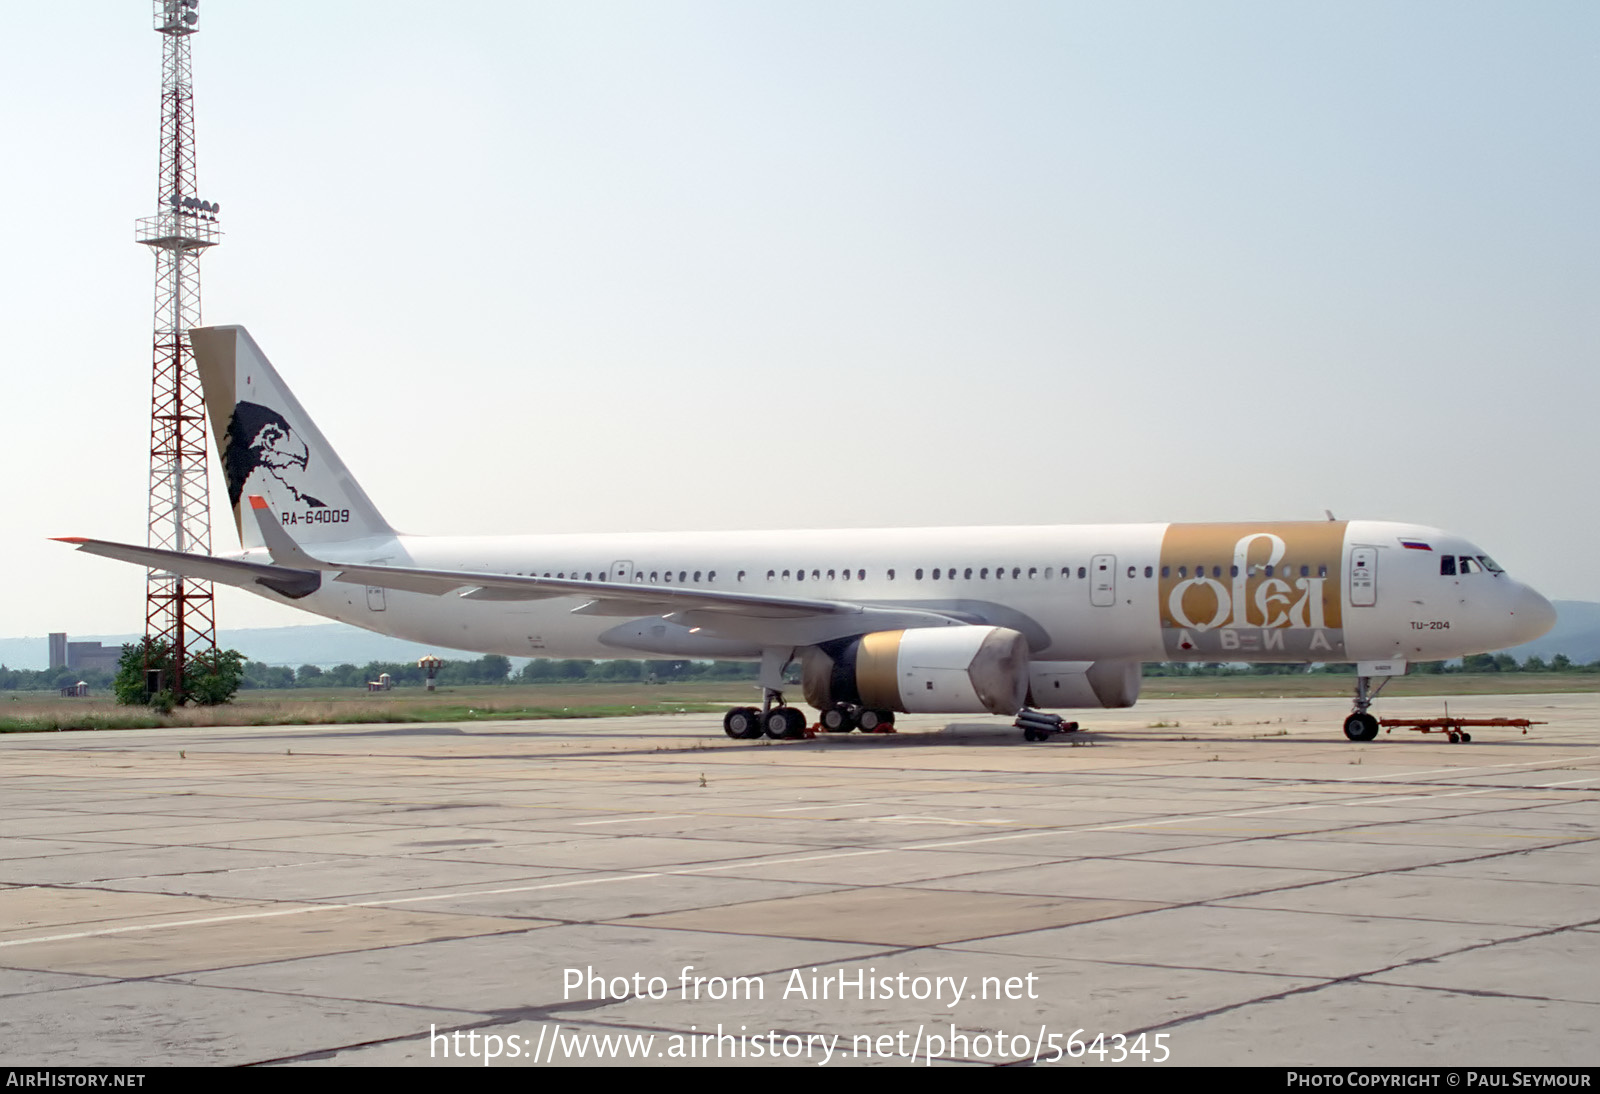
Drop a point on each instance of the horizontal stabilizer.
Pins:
(287, 581)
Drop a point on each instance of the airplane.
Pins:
(1012, 621)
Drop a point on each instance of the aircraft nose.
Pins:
(1532, 615)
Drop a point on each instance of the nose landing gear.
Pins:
(1361, 726)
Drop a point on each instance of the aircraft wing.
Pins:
(630, 599)
(295, 573)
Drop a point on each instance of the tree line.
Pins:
(495, 669)
(1474, 664)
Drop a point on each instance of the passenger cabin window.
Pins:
(1083, 571)
(1148, 571)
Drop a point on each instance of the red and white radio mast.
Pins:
(179, 610)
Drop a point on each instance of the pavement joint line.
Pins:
(912, 818)
(634, 819)
(1357, 978)
(329, 907)
(1195, 818)
(1457, 770)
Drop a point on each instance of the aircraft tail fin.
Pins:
(269, 446)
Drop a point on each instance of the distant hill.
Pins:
(321, 644)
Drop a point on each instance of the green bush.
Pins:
(212, 677)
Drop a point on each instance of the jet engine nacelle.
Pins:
(940, 670)
(1057, 685)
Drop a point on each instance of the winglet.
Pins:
(281, 547)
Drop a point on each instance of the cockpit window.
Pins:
(1469, 565)
(1447, 565)
(1490, 564)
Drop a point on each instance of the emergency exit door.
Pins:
(1363, 577)
(1103, 581)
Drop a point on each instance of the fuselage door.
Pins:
(1363, 577)
(1103, 581)
(621, 571)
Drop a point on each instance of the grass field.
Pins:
(25, 712)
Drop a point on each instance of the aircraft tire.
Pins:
(742, 723)
(871, 721)
(837, 720)
(1361, 727)
(784, 723)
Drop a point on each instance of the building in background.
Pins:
(91, 656)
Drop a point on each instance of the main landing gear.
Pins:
(778, 720)
(843, 717)
(1361, 726)
(775, 718)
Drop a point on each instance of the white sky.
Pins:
(613, 266)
